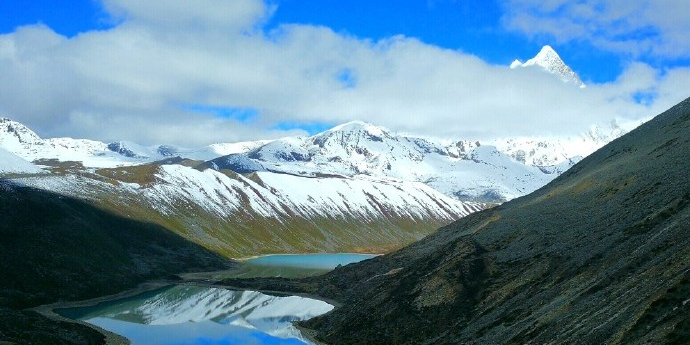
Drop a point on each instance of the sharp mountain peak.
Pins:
(549, 60)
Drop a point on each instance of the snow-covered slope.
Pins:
(465, 170)
(12, 164)
(548, 60)
(515, 166)
(23, 142)
(220, 149)
(488, 175)
(271, 194)
(158, 152)
(267, 212)
(548, 151)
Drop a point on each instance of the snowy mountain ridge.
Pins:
(265, 212)
(467, 170)
(492, 171)
(549, 60)
(549, 151)
(25, 143)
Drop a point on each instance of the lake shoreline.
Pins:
(111, 338)
(246, 258)
(49, 310)
(201, 279)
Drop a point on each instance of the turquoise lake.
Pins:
(309, 261)
(195, 315)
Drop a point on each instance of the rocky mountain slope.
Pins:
(599, 255)
(59, 248)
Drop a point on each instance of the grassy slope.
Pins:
(58, 248)
(246, 233)
(600, 255)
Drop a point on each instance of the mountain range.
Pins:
(466, 170)
(356, 187)
(597, 255)
(600, 255)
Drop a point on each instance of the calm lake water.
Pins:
(308, 261)
(184, 314)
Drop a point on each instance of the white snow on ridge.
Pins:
(488, 174)
(213, 151)
(214, 191)
(465, 170)
(306, 196)
(364, 198)
(356, 150)
(276, 196)
(10, 163)
(23, 142)
(551, 151)
(548, 60)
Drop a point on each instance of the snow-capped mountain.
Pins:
(265, 212)
(468, 170)
(25, 143)
(355, 187)
(262, 211)
(548, 60)
(465, 170)
(550, 151)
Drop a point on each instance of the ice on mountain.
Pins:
(549, 60)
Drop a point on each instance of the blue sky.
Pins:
(472, 26)
(221, 70)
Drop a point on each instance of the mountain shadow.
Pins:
(59, 248)
(600, 255)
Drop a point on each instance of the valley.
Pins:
(599, 255)
(541, 239)
(355, 188)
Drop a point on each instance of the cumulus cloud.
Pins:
(151, 77)
(208, 14)
(643, 28)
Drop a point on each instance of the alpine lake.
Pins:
(193, 314)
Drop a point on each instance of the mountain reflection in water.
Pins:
(201, 315)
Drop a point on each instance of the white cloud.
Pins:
(137, 80)
(206, 14)
(651, 28)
